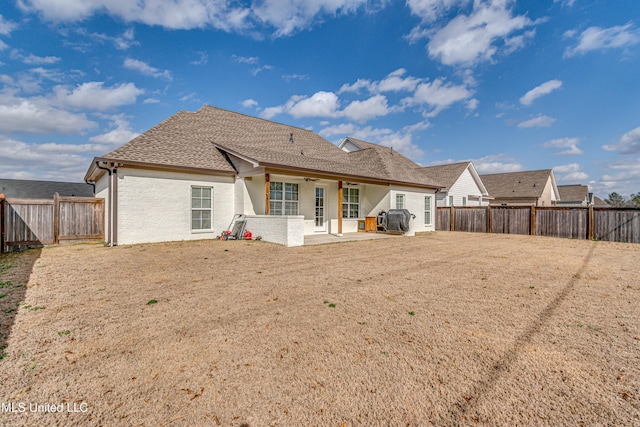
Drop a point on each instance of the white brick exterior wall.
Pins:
(155, 206)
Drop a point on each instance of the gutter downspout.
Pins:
(111, 210)
(93, 185)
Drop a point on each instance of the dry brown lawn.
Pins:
(439, 329)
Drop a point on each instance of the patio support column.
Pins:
(339, 208)
(267, 194)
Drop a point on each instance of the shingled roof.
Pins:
(446, 174)
(28, 189)
(528, 184)
(197, 140)
(573, 193)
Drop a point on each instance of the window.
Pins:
(283, 199)
(450, 200)
(399, 201)
(464, 201)
(201, 208)
(427, 210)
(350, 203)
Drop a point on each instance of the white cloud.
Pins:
(32, 59)
(37, 115)
(540, 121)
(64, 162)
(395, 82)
(249, 103)
(401, 141)
(203, 58)
(119, 134)
(431, 10)
(174, 14)
(94, 96)
(438, 95)
(565, 3)
(361, 111)
(6, 27)
(623, 178)
(571, 173)
(147, 70)
(291, 16)
(541, 90)
(467, 40)
(320, 104)
(629, 143)
(569, 144)
(596, 38)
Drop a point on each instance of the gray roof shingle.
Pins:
(194, 140)
(28, 189)
(573, 193)
(446, 174)
(527, 184)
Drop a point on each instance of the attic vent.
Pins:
(291, 137)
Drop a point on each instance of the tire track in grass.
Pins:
(467, 405)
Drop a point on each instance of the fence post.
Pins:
(532, 230)
(591, 222)
(452, 220)
(2, 202)
(56, 217)
(489, 219)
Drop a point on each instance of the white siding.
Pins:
(465, 186)
(155, 206)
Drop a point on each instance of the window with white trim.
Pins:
(427, 210)
(450, 200)
(283, 198)
(399, 201)
(464, 201)
(201, 208)
(350, 203)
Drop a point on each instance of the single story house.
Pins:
(187, 177)
(29, 189)
(574, 195)
(463, 185)
(528, 188)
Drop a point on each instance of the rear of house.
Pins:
(190, 175)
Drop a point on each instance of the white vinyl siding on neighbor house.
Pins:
(465, 187)
(201, 208)
(427, 210)
(284, 199)
(350, 203)
(399, 201)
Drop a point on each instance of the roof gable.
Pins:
(527, 184)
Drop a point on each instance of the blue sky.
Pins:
(510, 85)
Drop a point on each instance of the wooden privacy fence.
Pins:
(610, 224)
(35, 222)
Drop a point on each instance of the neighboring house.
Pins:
(599, 203)
(28, 189)
(462, 185)
(187, 177)
(574, 195)
(529, 188)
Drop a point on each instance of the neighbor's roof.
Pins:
(598, 202)
(27, 189)
(573, 193)
(195, 141)
(528, 184)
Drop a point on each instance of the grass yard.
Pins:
(439, 329)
